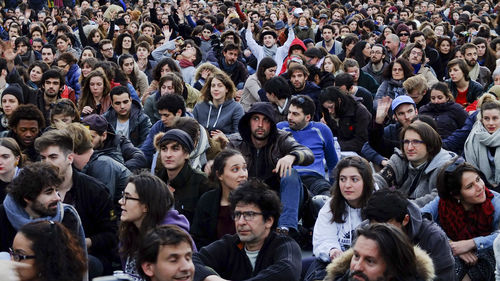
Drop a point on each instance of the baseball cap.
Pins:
(403, 99)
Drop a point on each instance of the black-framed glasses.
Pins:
(16, 256)
(247, 216)
(453, 166)
(125, 197)
(413, 142)
(403, 34)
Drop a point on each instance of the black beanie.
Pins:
(15, 90)
(179, 136)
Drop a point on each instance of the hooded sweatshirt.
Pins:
(295, 42)
(224, 118)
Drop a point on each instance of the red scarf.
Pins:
(460, 224)
(183, 63)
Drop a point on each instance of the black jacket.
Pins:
(93, 203)
(449, 116)
(189, 185)
(278, 259)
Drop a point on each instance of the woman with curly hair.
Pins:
(125, 44)
(50, 251)
(95, 94)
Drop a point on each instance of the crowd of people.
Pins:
(222, 140)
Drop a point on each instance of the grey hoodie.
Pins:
(225, 117)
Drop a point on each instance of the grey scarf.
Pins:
(476, 151)
(270, 52)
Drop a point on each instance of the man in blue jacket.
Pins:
(317, 137)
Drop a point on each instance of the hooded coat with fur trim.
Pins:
(338, 269)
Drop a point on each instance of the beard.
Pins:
(471, 63)
(364, 277)
(43, 211)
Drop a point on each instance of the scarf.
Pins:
(183, 63)
(18, 216)
(416, 67)
(474, 72)
(270, 52)
(460, 224)
(476, 151)
(228, 68)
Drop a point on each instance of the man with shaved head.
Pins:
(393, 46)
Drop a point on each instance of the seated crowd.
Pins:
(224, 140)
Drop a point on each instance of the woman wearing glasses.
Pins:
(341, 214)
(50, 251)
(482, 147)
(145, 204)
(212, 219)
(469, 214)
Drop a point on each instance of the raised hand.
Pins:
(383, 106)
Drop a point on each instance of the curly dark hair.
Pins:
(119, 44)
(256, 192)
(58, 255)
(31, 180)
(27, 112)
(153, 193)
(405, 64)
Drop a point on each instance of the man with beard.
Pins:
(256, 251)
(25, 124)
(230, 64)
(300, 86)
(89, 197)
(52, 85)
(381, 252)
(331, 45)
(377, 63)
(270, 154)
(32, 196)
(317, 137)
(477, 72)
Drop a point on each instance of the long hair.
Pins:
(338, 202)
(357, 52)
(132, 76)
(157, 198)
(58, 255)
(86, 97)
(225, 79)
(264, 64)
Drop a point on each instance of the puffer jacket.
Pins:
(392, 88)
(72, 78)
(449, 116)
(295, 42)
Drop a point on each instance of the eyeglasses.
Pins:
(125, 198)
(413, 142)
(416, 53)
(16, 256)
(376, 52)
(62, 66)
(247, 216)
(453, 166)
(107, 50)
(403, 34)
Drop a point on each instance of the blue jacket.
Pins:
(312, 90)
(72, 77)
(139, 123)
(481, 241)
(319, 138)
